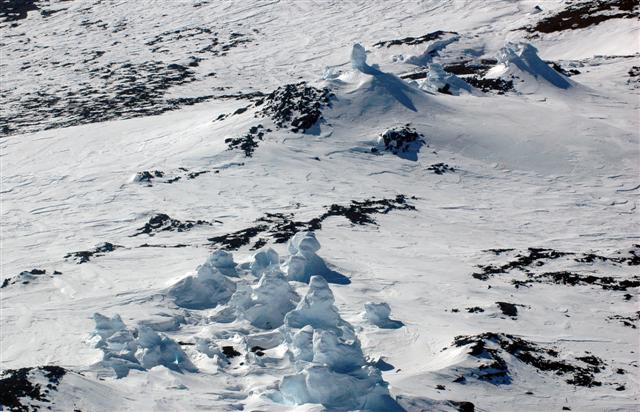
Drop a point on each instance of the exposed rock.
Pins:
(412, 41)
(84, 256)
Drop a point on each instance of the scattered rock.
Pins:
(296, 106)
(508, 309)
(14, 10)
(585, 14)
(230, 352)
(147, 176)
(162, 223)
(249, 142)
(498, 85)
(441, 168)
(27, 277)
(559, 69)
(281, 227)
(84, 256)
(575, 279)
(490, 347)
(20, 386)
(629, 321)
(412, 41)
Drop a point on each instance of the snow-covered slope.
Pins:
(419, 206)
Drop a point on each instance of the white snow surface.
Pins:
(343, 316)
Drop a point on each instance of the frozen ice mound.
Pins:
(438, 80)
(263, 260)
(316, 308)
(209, 286)
(223, 261)
(378, 314)
(331, 368)
(359, 58)
(265, 304)
(303, 262)
(142, 348)
(521, 60)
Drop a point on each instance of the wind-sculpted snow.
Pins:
(141, 348)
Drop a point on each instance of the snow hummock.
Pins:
(521, 60)
(209, 286)
(142, 348)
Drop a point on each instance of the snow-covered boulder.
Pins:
(208, 287)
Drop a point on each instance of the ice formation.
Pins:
(378, 314)
(209, 286)
(223, 261)
(359, 58)
(331, 369)
(432, 51)
(142, 348)
(263, 260)
(265, 304)
(440, 81)
(303, 261)
(522, 59)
